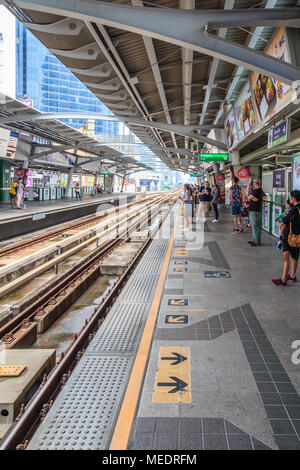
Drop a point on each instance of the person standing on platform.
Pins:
(20, 192)
(216, 196)
(187, 199)
(13, 194)
(292, 225)
(255, 199)
(235, 196)
(204, 200)
(77, 191)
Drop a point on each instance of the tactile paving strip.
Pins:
(83, 415)
(157, 249)
(149, 266)
(139, 288)
(120, 331)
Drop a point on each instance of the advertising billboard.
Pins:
(231, 130)
(244, 112)
(12, 144)
(272, 95)
(296, 172)
(149, 185)
(4, 137)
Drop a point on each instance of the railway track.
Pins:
(37, 408)
(88, 222)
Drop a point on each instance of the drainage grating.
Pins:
(139, 288)
(83, 415)
(120, 331)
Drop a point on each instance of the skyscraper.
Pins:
(45, 83)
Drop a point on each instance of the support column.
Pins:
(123, 181)
(111, 189)
(5, 168)
(235, 157)
(69, 184)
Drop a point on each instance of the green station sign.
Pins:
(195, 175)
(104, 174)
(213, 157)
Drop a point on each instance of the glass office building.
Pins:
(45, 83)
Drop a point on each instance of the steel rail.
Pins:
(40, 238)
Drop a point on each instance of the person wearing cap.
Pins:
(291, 218)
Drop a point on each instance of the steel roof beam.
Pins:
(228, 5)
(187, 70)
(185, 131)
(156, 72)
(163, 24)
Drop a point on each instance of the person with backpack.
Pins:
(290, 241)
(236, 198)
(187, 200)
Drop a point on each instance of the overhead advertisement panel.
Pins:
(244, 112)
(272, 95)
(231, 130)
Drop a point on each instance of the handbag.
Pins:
(293, 239)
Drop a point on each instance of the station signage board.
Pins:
(279, 134)
(213, 157)
(105, 174)
(195, 175)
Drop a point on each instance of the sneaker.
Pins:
(235, 231)
(241, 229)
(279, 282)
(291, 278)
(215, 221)
(204, 220)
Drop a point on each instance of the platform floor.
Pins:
(35, 207)
(218, 335)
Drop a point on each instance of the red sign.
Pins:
(220, 177)
(243, 173)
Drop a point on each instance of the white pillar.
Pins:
(235, 157)
(123, 180)
(69, 183)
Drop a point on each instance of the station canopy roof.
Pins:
(175, 64)
(61, 137)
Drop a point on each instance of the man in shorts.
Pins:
(235, 196)
(289, 251)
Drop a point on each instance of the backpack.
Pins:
(293, 239)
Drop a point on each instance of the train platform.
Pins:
(40, 214)
(195, 354)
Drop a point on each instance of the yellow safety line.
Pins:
(185, 310)
(122, 430)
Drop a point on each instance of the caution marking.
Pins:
(180, 270)
(217, 274)
(177, 319)
(181, 252)
(178, 302)
(173, 377)
(180, 262)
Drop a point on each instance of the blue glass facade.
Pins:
(42, 78)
